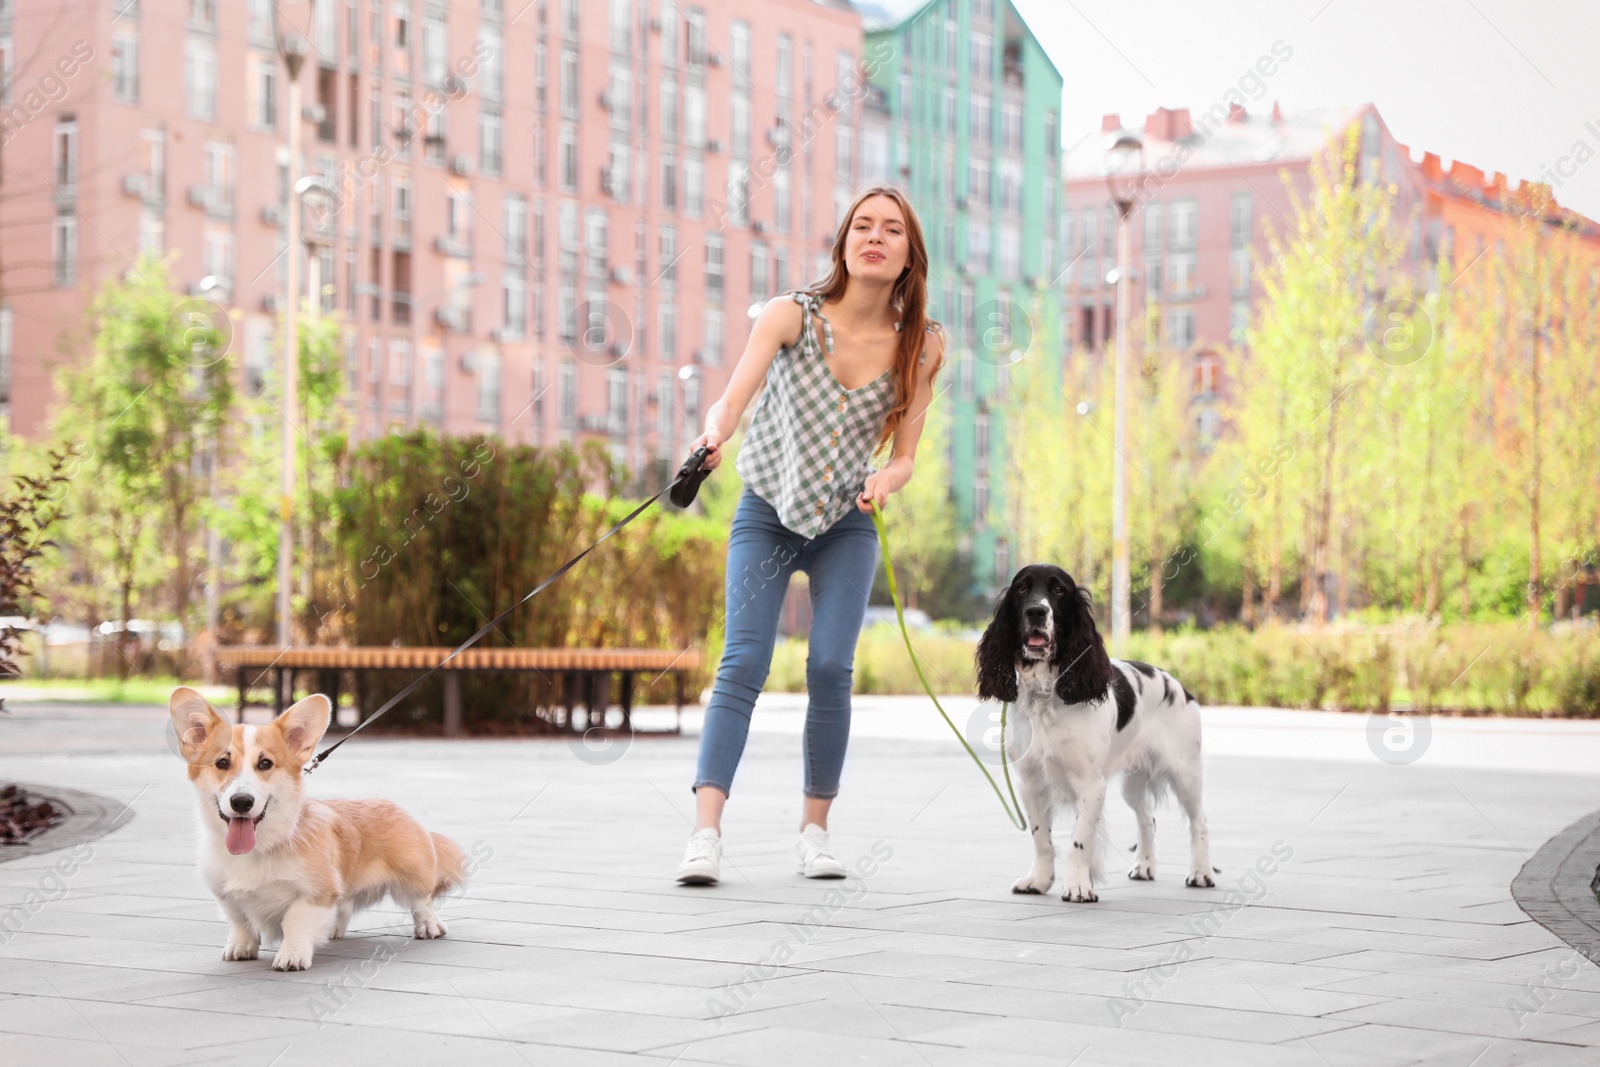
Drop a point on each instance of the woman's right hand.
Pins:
(712, 440)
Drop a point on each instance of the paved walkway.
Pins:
(1388, 935)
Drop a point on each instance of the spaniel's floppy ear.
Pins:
(997, 651)
(1081, 660)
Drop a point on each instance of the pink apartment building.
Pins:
(550, 220)
(1213, 188)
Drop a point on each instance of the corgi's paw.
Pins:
(428, 927)
(241, 948)
(292, 958)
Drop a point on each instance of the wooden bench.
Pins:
(585, 673)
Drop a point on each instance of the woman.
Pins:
(848, 367)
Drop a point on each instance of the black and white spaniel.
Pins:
(1081, 717)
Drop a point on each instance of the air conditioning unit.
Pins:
(314, 113)
(778, 136)
(469, 364)
(655, 25)
(594, 422)
(758, 226)
(713, 60)
(269, 303)
(713, 146)
(961, 203)
(453, 85)
(461, 164)
(501, 335)
(135, 184)
(446, 317)
(605, 180)
(605, 99)
(200, 196)
(621, 276)
(272, 214)
(618, 349)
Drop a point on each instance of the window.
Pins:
(738, 193)
(711, 338)
(621, 27)
(568, 161)
(619, 95)
(435, 48)
(567, 313)
(669, 34)
(219, 176)
(1010, 251)
(569, 82)
(669, 110)
(1183, 223)
(1180, 328)
(1180, 274)
(64, 152)
(124, 65)
(489, 387)
(490, 142)
(1011, 125)
(567, 389)
(669, 257)
(785, 70)
(758, 272)
(695, 37)
(401, 185)
(514, 292)
(539, 76)
(982, 56)
(516, 229)
(714, 265)
(200, 80)
(618, 180)
(491, 68)
(669, 182)
(400, 362)
(978, 246)
(667, 324)
(694, 188)
(617, 400)
(1239, 322)
(739, 124)
(458, 219)
(843, 140)
(977, 184)
(978, 119)
(65, 244)
(1239, 220)
(694, 116)
(781, 201)
(664, 408)
(217, 257)
(1239, 271)
(739, 52)
(265, 112)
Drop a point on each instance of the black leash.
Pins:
(681, 491)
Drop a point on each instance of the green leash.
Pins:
(1014, 809)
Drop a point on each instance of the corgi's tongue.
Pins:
(241, 836)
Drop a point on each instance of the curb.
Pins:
(1553, 887)
(88, 816)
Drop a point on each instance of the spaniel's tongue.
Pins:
(1037, 640)
(241, 836)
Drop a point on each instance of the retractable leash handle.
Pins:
(687, 483)
(1013, 810)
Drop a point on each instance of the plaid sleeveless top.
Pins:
(807, 449)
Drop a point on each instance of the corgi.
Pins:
(286, 867)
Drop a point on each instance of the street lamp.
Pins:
(1124, 177)
(291, 27)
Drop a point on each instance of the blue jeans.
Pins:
(762, 554)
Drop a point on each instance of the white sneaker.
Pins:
(701, 859)
(816, 855)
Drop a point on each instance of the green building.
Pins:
(964, 114)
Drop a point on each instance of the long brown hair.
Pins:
(909, 297)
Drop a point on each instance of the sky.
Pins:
(1504, 86)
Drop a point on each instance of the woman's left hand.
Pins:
(881, 483)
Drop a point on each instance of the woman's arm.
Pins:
(778, 325)
(897, 472)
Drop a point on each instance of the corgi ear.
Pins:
(203, 735)
(304, 724)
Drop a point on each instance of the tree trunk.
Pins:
(1324, 523)
(1535, 594)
